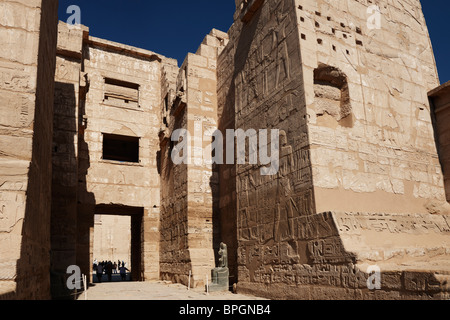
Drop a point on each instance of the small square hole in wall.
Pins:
(333, 30)
(317, 25)
(334, 48)
(302, 19)
(329, 18)
(303, 36)
(348, 52)
(359, 42)
(300, 7)
(319, 41)
(344, 35)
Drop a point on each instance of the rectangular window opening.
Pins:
(120, 148)
(166, 102)
(121, 92)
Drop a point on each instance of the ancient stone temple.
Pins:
(89, 128)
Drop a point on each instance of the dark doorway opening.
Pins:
(137, 215)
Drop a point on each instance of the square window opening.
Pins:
(120, 148)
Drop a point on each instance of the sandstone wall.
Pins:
(266, 85)
(359, 170)
(174, 254)
(189, 191)
(122, 182)
(201, 79)
(172, 196)
(28, 30)
(65, 154)
(227, 172)
(104, 88)
(440, 98)
(355, 137)
(112, 239)
(372, 143)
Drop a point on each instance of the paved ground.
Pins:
(159, 290)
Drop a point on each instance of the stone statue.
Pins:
(220, 275)
(223, 253)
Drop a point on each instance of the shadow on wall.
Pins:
(226, 218)
(73, 207)
(439, 98)
(85, 200)
(64, 189)
(32, 269)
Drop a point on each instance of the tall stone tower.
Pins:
(346, 84)
(189, 191)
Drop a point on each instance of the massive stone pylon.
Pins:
(346, 82)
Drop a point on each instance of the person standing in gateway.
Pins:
(99, 272)
(123, 272)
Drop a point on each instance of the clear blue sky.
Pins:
(171, 28)
(437, 14)
(174, 28)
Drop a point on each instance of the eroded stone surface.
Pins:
(28, 32)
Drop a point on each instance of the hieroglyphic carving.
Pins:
(313, 227)
(2, 212)
(271, 254)
(419, 281)
(328, 250)
(241, 255)
(279, 45)
(255, 255)
(344, 276)
(284, 223)
(267, 224)
(355, 223)
(253, 79)
(24, 114)
(289, 253)
(287, 208)
(248, 229)
(291, 244)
